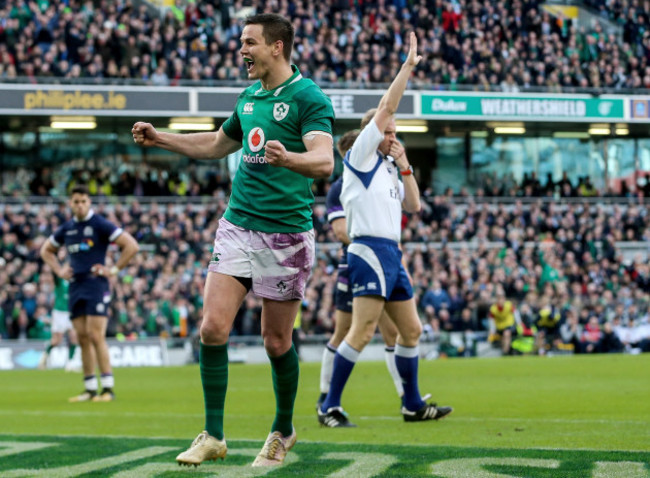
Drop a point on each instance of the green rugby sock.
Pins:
(49, 348)
(71, 350)
(285, 385)
(213, 361)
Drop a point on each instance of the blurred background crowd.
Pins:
(192, 182)
(556, 262)
(573, 272)
(510, 45)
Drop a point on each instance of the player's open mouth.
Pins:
(249, 63)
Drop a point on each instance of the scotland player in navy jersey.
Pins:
(86, 238)
(373, 198)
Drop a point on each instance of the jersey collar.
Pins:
(296, 76)
(90, 214)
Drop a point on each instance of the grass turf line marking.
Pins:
(321, 442)
(363, 464)
(111, 413)
(151, 470)
(91, 466)
(407, 460)
(518, 420)
(16, 448)
(473, 467)
(622, 469)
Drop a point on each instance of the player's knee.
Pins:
(83, 338)
(276, 346)
(411, 335)
(417, 329)
(95, 336)
(339, 334)
(367, 337)
(212, 333)
(359, 337)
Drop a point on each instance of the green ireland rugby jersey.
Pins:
(60, 294)
(267, 198)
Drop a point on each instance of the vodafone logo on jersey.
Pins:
(256, 139)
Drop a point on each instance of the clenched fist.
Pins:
(144, 134)
(275, 153)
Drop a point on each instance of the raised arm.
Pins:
(316, 162)
(390, 101)
(193, 145)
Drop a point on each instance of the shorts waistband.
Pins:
(375, 240)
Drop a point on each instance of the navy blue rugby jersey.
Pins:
(86, 241)
(335, 210)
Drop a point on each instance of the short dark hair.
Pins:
(275, 27)
(346, 141)
(80, 189)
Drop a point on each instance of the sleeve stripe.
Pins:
(53, 241)
(335, 215)
(116, 234)
(324, 133)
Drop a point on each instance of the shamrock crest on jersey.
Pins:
(280, 111)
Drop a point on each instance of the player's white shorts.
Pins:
(278, 264)
(60, 321)
(375, 268)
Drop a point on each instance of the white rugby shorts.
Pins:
(60, 321)
(278, 264)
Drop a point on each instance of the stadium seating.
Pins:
(506, 46)
(573, 254)
(569, 254)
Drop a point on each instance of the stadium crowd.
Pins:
(510, 46)
(144, 180)
(557, 263)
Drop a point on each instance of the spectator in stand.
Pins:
(591, 335)
(503, 322)
(489, 45)
(586, 188)
(571, 331)
(435, 299)
(582, 236)
(548, 325)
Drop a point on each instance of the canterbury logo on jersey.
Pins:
(248, 108)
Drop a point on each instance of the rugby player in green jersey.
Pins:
(60, 325)
(265, 241)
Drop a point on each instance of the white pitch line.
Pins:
(520, 420)
(315, 442)
(111, 413)
(107, 413)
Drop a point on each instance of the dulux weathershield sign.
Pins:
(521, 107)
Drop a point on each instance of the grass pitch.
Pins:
(569, 416)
